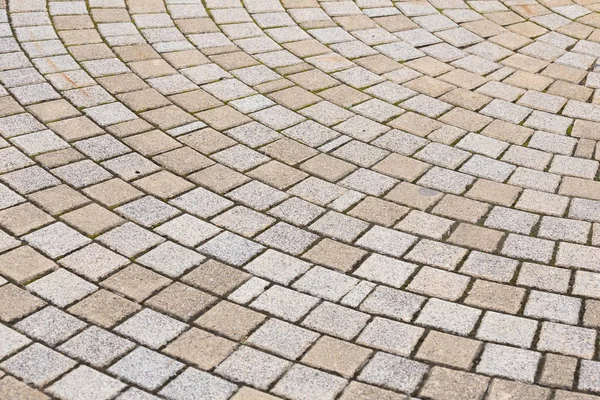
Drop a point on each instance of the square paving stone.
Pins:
(489, 266)
(509, 362)
(171, 259)
(282, 338)
(495, 296)
(104, 308)
(339, 226)
(130, 239)
(83, 173)
(257, 195)
(16, 303)
(501, 388)
(277, 266)
(335, 255)
(188, 230)
(507, 329)
(378, 268)
(287, 238)
(50, 325)
(85, 383)
(113, 192)
(337, 356)
(62, 288)
(24, 264)
(451, 350)
(38, 364)
(284, 303)
(96, 346)
(451, 317)
(181, 301)
(556, 307)
(136, 282)
(252, 367)
(200, 348)
(336, 320)
(130, 166)
(147, 211)
(436, 254)
(438, 283)
(56, 240)
(243, 221)
(11, 341)
(392, 303)
(325, 283)
(391, 336)
(23, 218)
(567, 339)
(94, 262)
(231, 248)
(386, 241)
(216, 277)
(151, 328)
(304, 383)
(30, 179)
(146, 368)
(448, 384)
(393, 372)
(13, 389)
(230, 320)
(197, 385)
(92, 219)
(559, 371)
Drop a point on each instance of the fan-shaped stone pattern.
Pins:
(299, 199)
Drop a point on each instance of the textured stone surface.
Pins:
(305, 200)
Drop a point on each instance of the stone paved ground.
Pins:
(306, 200)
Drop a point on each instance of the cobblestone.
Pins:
(302, 197)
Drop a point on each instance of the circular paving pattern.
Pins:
(305, 200)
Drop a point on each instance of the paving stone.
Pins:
(507, 329)
(193, 384)
(86, 383)
(454, 318)
(566, 339)
(509, 362)
(253, 367)
(61, 287)
(393, 337)
(11, 341)
(151, 328)
(130, 239)
(450, 384)
(451, 350)
(293, 384)
(542, 305)
(393, 372)
(96, 346)
(50, 325)
(336, 320)
(386, 270)
(38, 364)
(282, 338)
(392, 303)
(146, 368)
